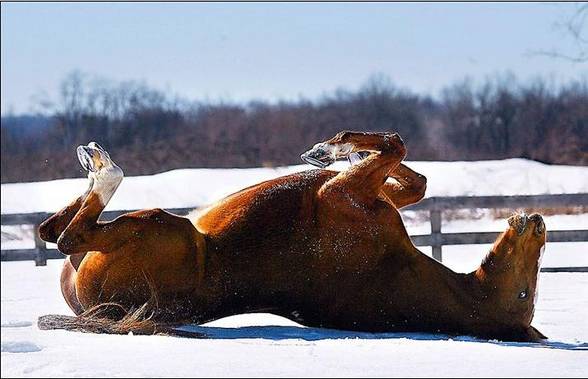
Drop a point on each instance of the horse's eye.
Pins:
(523, 295)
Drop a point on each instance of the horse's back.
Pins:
(269, 208)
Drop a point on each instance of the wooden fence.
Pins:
(434, 205)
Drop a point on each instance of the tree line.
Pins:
(149, 131)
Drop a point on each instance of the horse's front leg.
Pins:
(383, 161)
(409, 189)
(364, 181)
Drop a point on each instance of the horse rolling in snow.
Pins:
(322, 248)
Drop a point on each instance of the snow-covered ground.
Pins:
(267, 345)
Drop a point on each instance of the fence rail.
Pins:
(434, 205)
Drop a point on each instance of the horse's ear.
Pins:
(533, 335)
(541, 335)
(526, 334)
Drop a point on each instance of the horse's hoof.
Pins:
(103, 153)
(95, 145)
(321, 155)
(85, 158)
(93, 157)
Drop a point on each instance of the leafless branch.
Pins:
(574, 26)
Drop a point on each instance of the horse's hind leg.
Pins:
(105, 177)
(52, 229)
(49, 231)
(91, 159)
(134, 258)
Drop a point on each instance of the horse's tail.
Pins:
(99, 320)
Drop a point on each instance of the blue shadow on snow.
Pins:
(278, 333)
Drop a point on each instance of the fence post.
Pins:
(436, 243)
(40, 248)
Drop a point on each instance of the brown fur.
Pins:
(325, 249)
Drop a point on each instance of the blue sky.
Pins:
(244, 51)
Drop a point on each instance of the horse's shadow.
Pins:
(278, 333)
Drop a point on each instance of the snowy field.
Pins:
(267, 345)
(198, 187)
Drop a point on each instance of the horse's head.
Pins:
(508, 276)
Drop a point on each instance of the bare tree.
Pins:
(574, 27)
(149, 131)
(71, 105)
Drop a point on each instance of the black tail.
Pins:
(95, 321)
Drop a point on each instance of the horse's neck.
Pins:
(458, 296)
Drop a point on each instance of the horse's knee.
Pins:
(420, 186)
(47, 231)
(71, 241)
(65, 244)
(51, 228)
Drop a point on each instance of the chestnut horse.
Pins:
(322, 248)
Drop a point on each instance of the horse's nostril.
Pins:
(540, 228)
(518, 222)
(539, 223)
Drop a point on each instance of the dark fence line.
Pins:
(434, 205)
